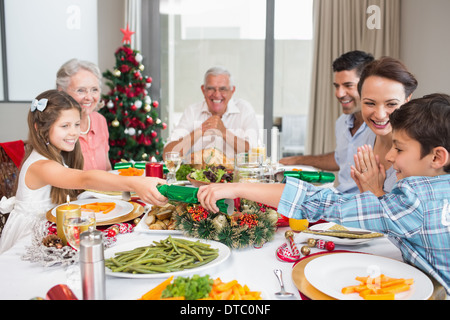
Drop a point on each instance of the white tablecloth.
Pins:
(251, 266)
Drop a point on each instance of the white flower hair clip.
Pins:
(40, 105)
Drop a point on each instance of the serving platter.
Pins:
(146, 240)
(143, 227)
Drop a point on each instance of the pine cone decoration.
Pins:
(52, 240)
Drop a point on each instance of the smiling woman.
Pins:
(384, 86)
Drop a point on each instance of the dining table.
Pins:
(251, 266)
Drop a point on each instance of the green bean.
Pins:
(199, 257)
(205, 261)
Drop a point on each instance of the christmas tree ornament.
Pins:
(115, 123)
(127, 35)
(117, 73)
(320, 244)
(147, 108)
(305, 250)
(311, 242)
(110, 104)
(329, 246)
(138, 104)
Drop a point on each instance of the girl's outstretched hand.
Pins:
(147, 191)
(368, 173)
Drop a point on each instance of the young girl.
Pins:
(53, 169)
(415, 214)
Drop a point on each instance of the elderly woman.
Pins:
(82, 80)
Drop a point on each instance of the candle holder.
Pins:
(65, 209)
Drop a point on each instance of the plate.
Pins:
(122, 208)
(330, 273)
(303, 236)
(224, 254)
(143, 227)
(302, 284)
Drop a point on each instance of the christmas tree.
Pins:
(133, 122)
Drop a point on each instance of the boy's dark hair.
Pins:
(353, 60)
(426, 120)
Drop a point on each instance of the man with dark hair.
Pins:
(351, 131)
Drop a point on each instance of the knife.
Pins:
(341, 231)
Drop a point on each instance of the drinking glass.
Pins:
(248, 167)
(173, 163)
(75, 225)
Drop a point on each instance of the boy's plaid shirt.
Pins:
(415, 215)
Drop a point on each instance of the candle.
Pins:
(274, 144)
(154, 169)
(68, 208)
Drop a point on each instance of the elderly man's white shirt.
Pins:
(239, 119)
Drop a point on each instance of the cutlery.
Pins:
(126, 196)
(282, 293)
(341, 231)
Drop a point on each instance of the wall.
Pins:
(425, 48)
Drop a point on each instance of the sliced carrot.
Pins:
(380, 296)
(396, 288)
(349, 289)
(155, 293)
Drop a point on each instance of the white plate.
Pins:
(336, 240)
(224, 253)
(143, 227)
(332, 272)
(122, 208)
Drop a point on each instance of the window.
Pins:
(40, 37)
(198, 34)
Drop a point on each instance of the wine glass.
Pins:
(173, 163)
(75, 225)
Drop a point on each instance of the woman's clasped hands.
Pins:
(368, 173)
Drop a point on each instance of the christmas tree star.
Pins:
(127, 35)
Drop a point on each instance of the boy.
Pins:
(415, 214)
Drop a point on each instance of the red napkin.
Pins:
(15, 150)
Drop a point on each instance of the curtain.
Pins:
(341, 26)
(133, 19)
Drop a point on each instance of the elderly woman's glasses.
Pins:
(82, 92)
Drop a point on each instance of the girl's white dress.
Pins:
(28, 206)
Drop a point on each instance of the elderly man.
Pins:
(351, 130)
(220, 122)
